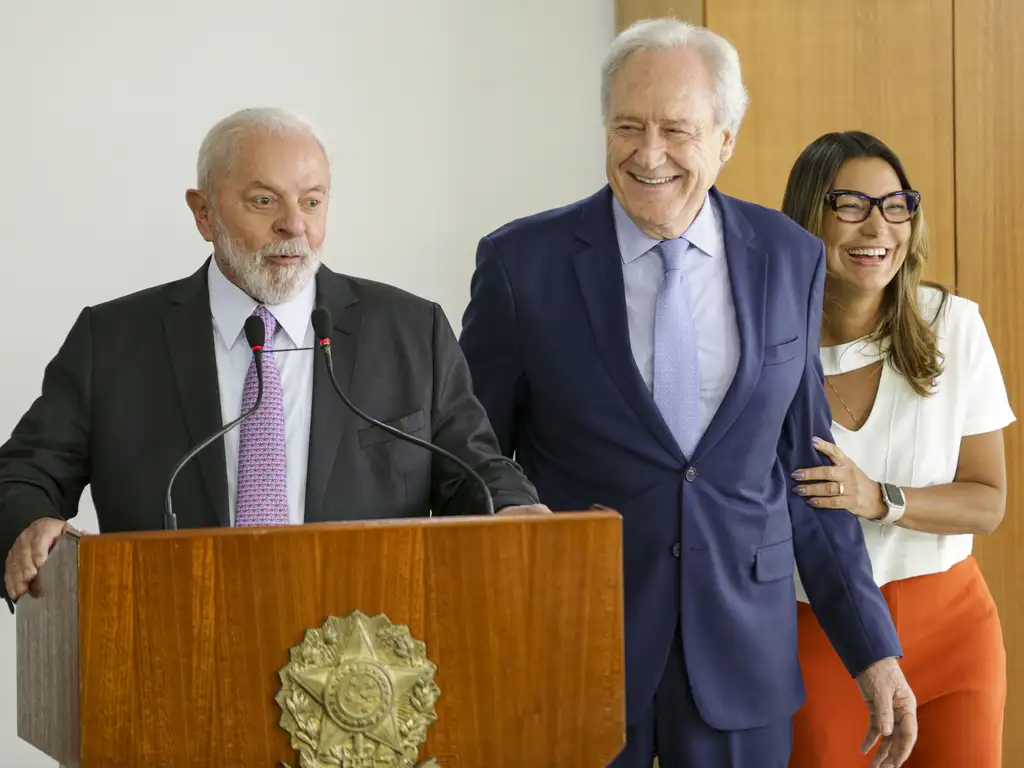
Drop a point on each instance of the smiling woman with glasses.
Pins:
(916, 452)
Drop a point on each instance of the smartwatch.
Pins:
(895, 501)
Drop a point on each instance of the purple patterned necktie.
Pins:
(262, 496)
(676, 376)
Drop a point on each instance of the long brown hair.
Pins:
(912, 346)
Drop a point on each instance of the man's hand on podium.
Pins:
(28, 554)
(525, 509)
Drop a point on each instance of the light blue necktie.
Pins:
(676, 374)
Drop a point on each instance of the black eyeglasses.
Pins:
(854, 207)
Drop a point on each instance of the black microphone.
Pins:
(322, 326)
(255, 336)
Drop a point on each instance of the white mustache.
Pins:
(287, 248)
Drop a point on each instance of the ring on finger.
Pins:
(842, 490)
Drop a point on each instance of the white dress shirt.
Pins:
(230, 307)
(913, 441)
(710, 293)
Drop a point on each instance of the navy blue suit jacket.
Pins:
(710, 541)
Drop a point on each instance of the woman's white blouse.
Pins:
(913, 441)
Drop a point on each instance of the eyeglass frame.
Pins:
(911, 194)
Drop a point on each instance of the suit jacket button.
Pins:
(691, 474)
(676, 549)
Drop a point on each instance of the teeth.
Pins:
(654, 181)
(879, 252)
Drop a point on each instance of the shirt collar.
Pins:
(634, 242)
(231, 306)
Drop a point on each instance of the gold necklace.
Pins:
(858, 422)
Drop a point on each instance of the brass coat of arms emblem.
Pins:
(358, 692)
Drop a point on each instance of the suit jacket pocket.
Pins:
(373, 435)
(774, 562)
(782, 353)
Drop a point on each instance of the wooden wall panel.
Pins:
(874, 65)
(628, 11)
(989, 222)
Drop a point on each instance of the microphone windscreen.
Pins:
(322, 323)
(255, 331)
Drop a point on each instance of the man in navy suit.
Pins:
(654, 349)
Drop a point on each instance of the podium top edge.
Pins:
(467, 521)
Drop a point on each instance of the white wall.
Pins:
(444, 119)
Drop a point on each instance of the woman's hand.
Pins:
(842, 486)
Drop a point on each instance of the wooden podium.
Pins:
(164, 648)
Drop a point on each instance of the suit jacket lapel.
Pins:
(188, 328)
(599, 272)
(748, 274)
(329, 413)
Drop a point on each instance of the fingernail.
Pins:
(801, 490)
(813, 502)
(798, 475)
(817, 441)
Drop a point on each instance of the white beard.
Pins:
(269, 284)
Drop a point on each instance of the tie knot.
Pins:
(672, 252)
(269, 323)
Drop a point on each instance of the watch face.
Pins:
(894, 494)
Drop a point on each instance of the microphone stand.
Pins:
(325, 345)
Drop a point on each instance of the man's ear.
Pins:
(728, 145)
(202, 212)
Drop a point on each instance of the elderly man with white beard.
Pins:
(141, 379)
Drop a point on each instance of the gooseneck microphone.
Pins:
(255, 336)
(322, 326)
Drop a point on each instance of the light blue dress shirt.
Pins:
(710, 293)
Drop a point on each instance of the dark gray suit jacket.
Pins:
(134, 386)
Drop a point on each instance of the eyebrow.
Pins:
(682, 121)
(848, 190)
(263, 185)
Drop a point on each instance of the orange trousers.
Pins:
(954, 660)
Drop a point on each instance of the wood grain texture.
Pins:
(812, 67)
(183, 635)
(47, 653)
(989, 222)
(628, 11)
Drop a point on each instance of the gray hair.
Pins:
(222, 143)
(719, 55)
